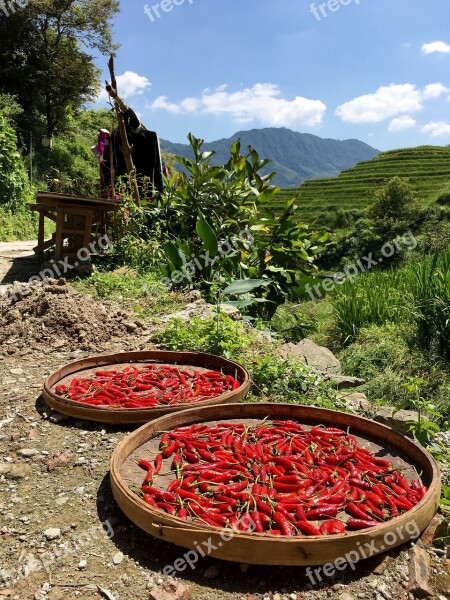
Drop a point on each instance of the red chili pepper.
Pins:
(283, 524)
(361, 523)
(323, 512)
(355, 510)
(307, 528)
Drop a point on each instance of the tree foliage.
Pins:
(395, 208)
(14, 187)
(43, 58)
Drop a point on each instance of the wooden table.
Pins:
(80, 220)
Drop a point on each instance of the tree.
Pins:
(43, 61)
(395, 209)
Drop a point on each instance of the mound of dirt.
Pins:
(52, 314)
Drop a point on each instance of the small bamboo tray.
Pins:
(265, 549)
(186, 360)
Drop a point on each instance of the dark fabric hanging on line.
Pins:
(146, 152)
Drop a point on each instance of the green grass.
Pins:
(427, 167)
(139, 293)
(21, 225)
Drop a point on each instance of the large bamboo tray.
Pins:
(186, 360)
(265, 549)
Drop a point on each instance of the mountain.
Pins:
(296, 156)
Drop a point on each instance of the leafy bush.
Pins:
(285, 380)
(20, 225)
(444, 200)
(14, 186)
(216, 233)
(219, 335)
(395, 209)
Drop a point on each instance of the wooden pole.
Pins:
(121, 107)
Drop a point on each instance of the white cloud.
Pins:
(386, 102)
(262, 102)
(436, 128)
(436, 47)
(401, 123)
(128, 84)
(434, 90)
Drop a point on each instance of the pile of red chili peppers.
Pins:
(276, 477)
(147, 387)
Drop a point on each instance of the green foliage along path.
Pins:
(427, 167)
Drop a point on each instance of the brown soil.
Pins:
(54, 315)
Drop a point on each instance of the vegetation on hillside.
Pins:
(295, 156)
(337, 202)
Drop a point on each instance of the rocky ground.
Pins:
(63, 536)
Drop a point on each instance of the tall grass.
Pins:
(418, 293)
(431, 310)
(372, 299)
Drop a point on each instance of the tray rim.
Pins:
(103, 414)
(130, 503)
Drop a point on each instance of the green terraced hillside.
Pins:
(427, 167)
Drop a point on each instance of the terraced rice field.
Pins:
(427, 167)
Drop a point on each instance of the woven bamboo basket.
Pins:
(265, 549)
(186, 360)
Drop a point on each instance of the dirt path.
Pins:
(17, 262)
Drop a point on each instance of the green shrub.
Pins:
(14, 185)
(285, 380)
(219, 335)
(218, 229)
(386, 357)
(395, 209)
(18, 225)
(444, 200)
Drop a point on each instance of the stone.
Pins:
(384, 414)
(28, 452)
(17, 371)
(82, 565)
(438, 528)
(118, 558)
(4, 469)
(211, 572)
(356, 401)
(172, 590)
(18, 472)
(343, 382)
(419, 573)
(379, 564)
(346, 596)
(311, 354)
(52, 533)
(57, 417)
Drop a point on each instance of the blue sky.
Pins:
(375, 70)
